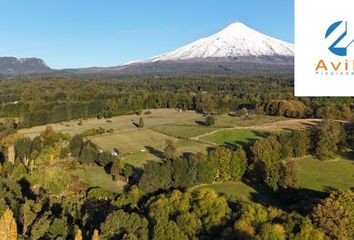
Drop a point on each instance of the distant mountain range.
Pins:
(235, 49)
(14, 66)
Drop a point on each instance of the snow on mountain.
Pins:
(236, 40)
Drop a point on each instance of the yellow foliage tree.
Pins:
(78, 235)
(95, 235)
(8, 227)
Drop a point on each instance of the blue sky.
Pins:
(83, 33)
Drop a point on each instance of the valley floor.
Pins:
(190, 136)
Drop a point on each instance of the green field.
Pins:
(326, 175)
(234, 137)
(141, 145)
(97, 177)
(312, 174)
(139, 158)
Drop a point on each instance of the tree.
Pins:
(168, 230)
(128, 170)
(141, 123)
(238, 164)
(58, 229)
(115, 170)
(119, 223)
(327, 137)
(335, 215)
(23, 148)
(301, 142)
(156, 176)
(104, 158)
(76, 144)
(222, 157)
(207, 170)
(209, 121)
(36, 144)
(184, 172)
(78, 235)
(266, 164)
(8, 226)
(95, 235)
(88, 153)
(29, 212)
(204, 103)
(350, 135)
(169, 150)
(289, 175)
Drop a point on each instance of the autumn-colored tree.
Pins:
(95, 235)
(78, 235)
(8, 226)
(335, 215)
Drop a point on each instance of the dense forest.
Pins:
(160, 203)
(163, 199)
(42, 100)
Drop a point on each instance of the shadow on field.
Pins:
(302, 200)
(260, 134)
(349, 155)
(155, 152)
(200, 123)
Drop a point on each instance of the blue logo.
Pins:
(339, 51)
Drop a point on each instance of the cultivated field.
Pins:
(139, 145)
(183, 128)
(119, 123)
(133, 140)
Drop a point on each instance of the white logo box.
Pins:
(335, 75)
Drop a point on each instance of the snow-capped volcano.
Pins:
(236, 40)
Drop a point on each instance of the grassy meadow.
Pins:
(184, 129)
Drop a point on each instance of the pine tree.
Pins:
(8, 227)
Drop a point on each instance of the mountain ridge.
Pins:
(225, 52)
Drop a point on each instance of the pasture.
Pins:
(119, 123)
(96, 177)
(234, 137)
(326, 175)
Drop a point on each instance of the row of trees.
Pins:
(218, 165)
(38, 101)
(269, 160)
